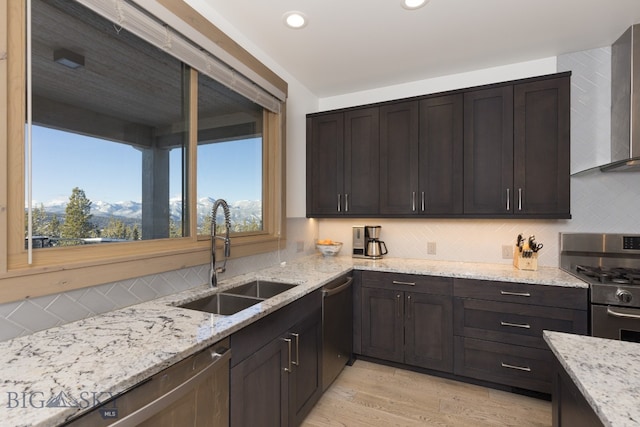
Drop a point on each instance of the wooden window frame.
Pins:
(64, 269)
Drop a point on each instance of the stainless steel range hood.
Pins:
(625, 103)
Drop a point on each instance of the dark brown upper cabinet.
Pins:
(421, 157)
(495, 151)
(517, 144)
(343, 170)
(440, 154)
(541, 146)
(488, 151)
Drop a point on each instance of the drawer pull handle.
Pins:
(288, 341)
(397, 282)
(519, 368)
(516, 325)
(515, 294)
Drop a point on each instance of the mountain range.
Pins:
(130, 210)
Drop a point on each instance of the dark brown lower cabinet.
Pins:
(498, 328)
(570, 408)
(277, 383)
(500, 363)
(407, 319)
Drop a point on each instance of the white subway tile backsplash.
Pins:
(95, 301)
(67, 309)
(10, 330)
(34, 316)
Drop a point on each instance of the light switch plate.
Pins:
(507, 251)
(431, 248)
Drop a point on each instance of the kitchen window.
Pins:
(146, 128)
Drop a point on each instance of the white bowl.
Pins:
(329, 250)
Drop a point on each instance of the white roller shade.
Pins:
(163, 35)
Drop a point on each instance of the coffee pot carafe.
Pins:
(375, 249)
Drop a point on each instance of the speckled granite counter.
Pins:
(607, 373)
(105, 355)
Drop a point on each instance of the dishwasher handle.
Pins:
(330, 292)
(219, 355)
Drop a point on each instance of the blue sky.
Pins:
(111, 172)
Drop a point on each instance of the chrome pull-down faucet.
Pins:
(227, 242)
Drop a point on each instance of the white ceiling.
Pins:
(354, 45)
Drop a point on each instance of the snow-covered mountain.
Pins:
(241, 209)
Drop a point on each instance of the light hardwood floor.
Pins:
(368, 394)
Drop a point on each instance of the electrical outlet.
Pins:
(431, 248)
(299, 246)
(507, 251)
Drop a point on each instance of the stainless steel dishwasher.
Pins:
(337, 328)
(193, 392)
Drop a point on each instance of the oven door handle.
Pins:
(613, 313)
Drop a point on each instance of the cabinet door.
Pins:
(399, 158)
(361, 162)
(429, 331)
(305, 381)
(440, 154)
(383, 324)
(325, 164)
(259, 388)
(488, 151)
(541, 147)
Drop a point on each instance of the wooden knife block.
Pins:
(522, 263)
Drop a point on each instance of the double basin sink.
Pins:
(237, 299)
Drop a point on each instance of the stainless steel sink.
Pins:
(260, 289)
(223, 304)
(237, 299)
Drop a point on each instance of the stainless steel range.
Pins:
(610, 263)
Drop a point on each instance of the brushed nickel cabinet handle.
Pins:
(413, 201)
(423, 205)
(339, 209)
(398, 305)
(515, 294)
(519, 199)
(508, 201)
(398, 282)
(518, 368)
(297, 337)
(288, 341)
(346, 202)
(516, 325)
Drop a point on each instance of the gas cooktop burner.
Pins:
(618, 275)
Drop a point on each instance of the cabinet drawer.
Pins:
(548, 295)
(520, 324)
(507, 364)
(408, 282)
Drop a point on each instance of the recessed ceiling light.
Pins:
(295, 19)
(413, 4)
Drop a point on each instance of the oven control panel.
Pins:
(631, 243)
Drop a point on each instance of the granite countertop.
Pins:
(93, 359)
(607, 373)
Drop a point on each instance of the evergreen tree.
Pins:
(77, 221)
(135, 233)
(116, 229)
(54, 226)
